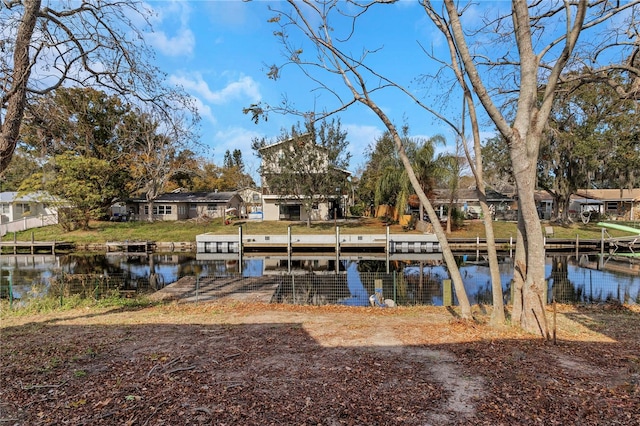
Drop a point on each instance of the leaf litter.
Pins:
(264, 364)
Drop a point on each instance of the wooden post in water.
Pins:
(601, 260)
(337, 248)
(447, 293)
(577, 245)
(240, 249)
(387, 247)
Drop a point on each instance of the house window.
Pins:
(256, 198)
(315, 206)
(23, 208)
(4, 208)
(612, 206)
(192, 206)
(182, 209)
(158, 210)
(211, 208)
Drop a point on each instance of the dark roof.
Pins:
(191, 197)
(471, 195)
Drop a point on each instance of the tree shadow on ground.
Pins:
(170, 368)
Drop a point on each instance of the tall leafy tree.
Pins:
(50, 44)
(233, 174)
(78, 184)
(22, 167)
(79, 123)
(593, 140)
(81, 120)
(379, 156)
(308, 164)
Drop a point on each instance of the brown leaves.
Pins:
(264, 364)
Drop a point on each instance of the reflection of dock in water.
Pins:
(206, 289)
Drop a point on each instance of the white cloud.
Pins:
(360, 138)
(244, 88)
(204, 111)
(181, 44)
(172, 35)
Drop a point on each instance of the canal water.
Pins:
(417, 279)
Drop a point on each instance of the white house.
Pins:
(19, 212)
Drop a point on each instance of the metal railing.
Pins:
(361, 289)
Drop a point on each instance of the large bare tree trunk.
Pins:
(16, 97)
(533, 317)
(519, 273)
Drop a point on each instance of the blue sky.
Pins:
(219, 50)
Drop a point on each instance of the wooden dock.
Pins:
(129, 247)
(246, 289)
(33, 247)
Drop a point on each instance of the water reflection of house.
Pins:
(315, 264)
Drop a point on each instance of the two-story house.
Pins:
(299, 183)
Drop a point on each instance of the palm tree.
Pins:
(393, 186)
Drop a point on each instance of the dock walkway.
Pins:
(246, 289)
(33, 247)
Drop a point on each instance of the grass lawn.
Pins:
(100, 232)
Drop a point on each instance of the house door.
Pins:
(289, 212)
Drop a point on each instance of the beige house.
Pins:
(186, 205)
(616, 204)
(277, 206)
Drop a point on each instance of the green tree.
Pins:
(85, 123)
(497, 164)
(307, 164)
(233, 173)
(21, 167)
(379, 156)
(91, 44)
(81, 120)
(78, 183)
(592, 140)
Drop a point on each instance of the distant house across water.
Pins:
(19, 212)
(186, 205)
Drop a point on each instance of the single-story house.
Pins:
(617, 204)
(186, 205)
(15, 207)
(466, 201)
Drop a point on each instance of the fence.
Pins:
(378, 288)
(345, 288)
(63, 286)
(28, 223)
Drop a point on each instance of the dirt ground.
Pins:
(261, 364)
